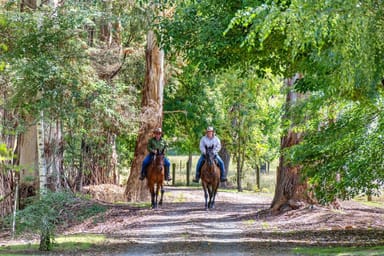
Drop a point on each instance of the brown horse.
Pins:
(210, 178)
(155, 178)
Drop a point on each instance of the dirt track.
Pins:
(235, 227)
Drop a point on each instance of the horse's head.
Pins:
(209, 155)
(158, 159)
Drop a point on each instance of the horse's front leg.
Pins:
(156, 196)
(161, 195)
(152, 191)
(210, 192)
(214, 192)
(205, 196)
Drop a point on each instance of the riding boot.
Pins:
(200, 163)
(219, 162)
(197, 176)
(167, 174)
(222, 176)
(142, 173)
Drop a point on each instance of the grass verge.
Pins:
(341, 251)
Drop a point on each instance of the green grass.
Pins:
(67, 244)
(363, 251)
(139, 204)
(377, 201)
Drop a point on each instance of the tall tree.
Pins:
(151, 114)
(335, 46)
(196, 32)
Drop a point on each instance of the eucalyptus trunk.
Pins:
(290, 191)
(42, 166)
(226, 156)
(151, 116)
(54, 155)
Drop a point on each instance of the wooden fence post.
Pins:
(188, 171)
(173, 174)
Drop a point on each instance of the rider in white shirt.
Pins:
(210, 139)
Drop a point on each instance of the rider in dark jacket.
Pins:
(156, 143)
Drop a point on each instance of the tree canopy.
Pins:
(83, 64)
(336, 46)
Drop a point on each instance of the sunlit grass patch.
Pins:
(181, 198)
(249, 222)
(374, 204)
(376, 201)
(265, 225)
(71, 243)
(78, 241)
(15, 248)
(140, 204)
(341, 251)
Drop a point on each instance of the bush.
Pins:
(44, 215)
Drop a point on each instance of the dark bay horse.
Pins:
(155, 178)
(210, 178)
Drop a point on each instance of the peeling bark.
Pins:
(151, 116)
(291, 190)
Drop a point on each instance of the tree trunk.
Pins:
(151, 116)
(257, 169)
(226, 156)
(290, 191)
(54, 156)
(28, 157)
(42, 166)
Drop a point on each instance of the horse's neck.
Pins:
(157, 160)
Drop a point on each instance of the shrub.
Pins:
(44, 215)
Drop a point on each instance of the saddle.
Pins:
(215, 160)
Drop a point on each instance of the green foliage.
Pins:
(5, 153)
(350, 148)
(44, 215)
(54, 67)
(251, 116)
(53, 209)
(196, 32)
(335, 45)
(219, 85)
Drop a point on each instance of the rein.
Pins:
(158, 164)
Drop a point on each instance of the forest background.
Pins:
(84, 83)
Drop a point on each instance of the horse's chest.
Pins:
(210, 172)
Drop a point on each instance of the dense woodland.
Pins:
(84, 83)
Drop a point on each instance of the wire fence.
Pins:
(182, 175)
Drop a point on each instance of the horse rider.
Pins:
(156, 143)
(208, 140)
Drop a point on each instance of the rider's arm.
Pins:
(150, 146)
(202, 146)
(217, 147)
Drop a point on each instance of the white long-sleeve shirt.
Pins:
(206, 141)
